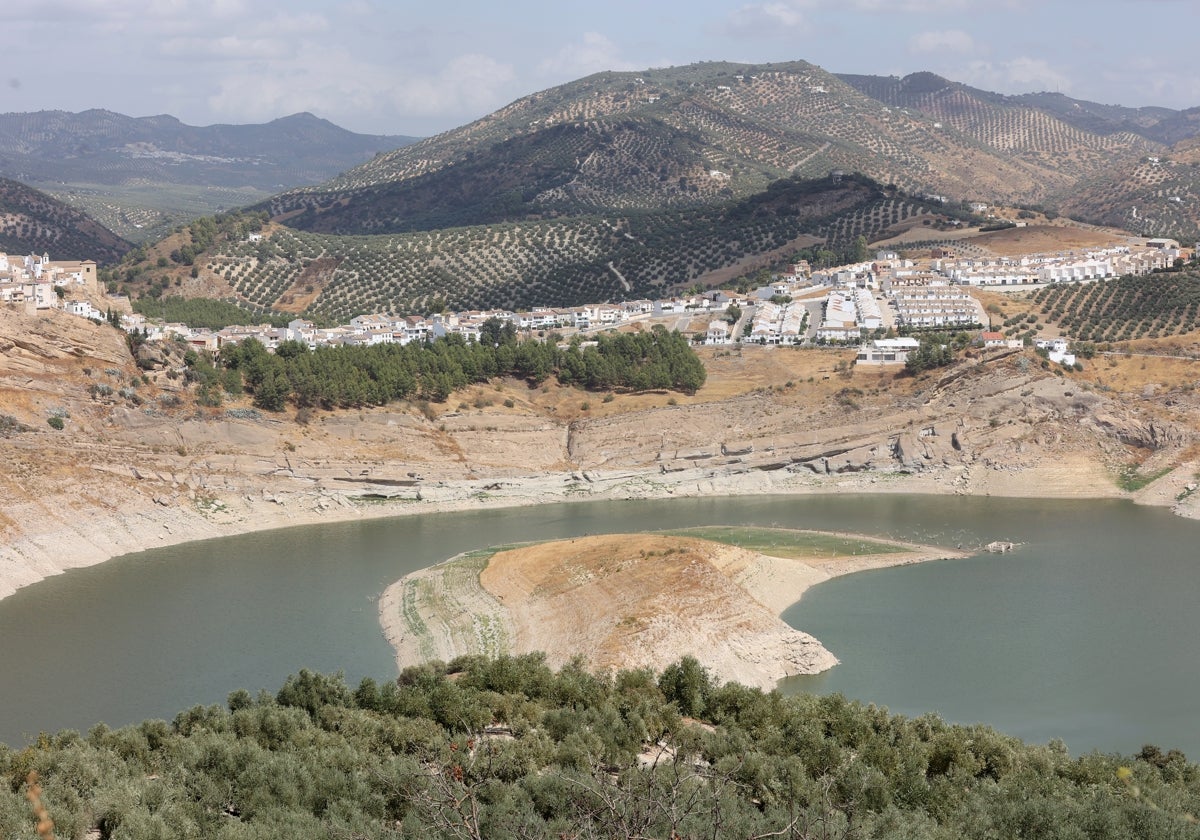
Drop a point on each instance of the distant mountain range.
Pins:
(707, 133)
(142, 175)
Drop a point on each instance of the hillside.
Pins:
(991, 116)
(33, 222)
(552, 262)
(623, 185)
(700, 134)
(141, 463)
(1155, 193)
(143, 453)
(141, 175)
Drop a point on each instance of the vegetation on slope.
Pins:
(141, 176)
(352, 377)
(507, 748)
(1151, 306)
(203, 313)
(698, 135)
(546, 263)
(33, 222)
(1154, 196)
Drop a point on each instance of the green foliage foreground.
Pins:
(508, 748)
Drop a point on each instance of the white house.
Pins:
(718, 332)
(84, 309)
(887, 351)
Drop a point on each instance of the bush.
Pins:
(55, 423)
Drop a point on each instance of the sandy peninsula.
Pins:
(626, 601)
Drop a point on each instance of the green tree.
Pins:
(859, 252)
(688, 685)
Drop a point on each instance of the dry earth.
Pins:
(145, 466)
(622, 602)
(1037, 237)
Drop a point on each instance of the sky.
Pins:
(402, 68)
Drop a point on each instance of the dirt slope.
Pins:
(140, 464)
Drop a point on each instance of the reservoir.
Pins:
(1086, 632)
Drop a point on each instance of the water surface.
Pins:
(1086, 633)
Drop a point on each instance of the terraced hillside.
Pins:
(1164, 126)
(550, 262)
(1158, 195)
(1011, 125)
(1135, 168)
(31, 221)
(697, 135)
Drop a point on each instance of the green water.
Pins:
(1086, 633)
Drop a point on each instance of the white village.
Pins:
(877, 305)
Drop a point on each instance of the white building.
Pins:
(717, 333)
(886, 351)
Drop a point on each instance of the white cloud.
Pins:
(469, 82)
(1019, 75)
(945, 41)
(594, 53)
(785, 18)
(343, 88)
(908, 7)
(779, 19)
(113, 11)
(226, 48)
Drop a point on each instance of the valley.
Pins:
(579, 398)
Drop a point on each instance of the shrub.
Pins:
(55, 423)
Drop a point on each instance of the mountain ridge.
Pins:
(141, 176)
(705, 133)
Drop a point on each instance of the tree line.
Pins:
(356, 376)
(509, 748)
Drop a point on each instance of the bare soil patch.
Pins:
(632, 601)
(1038, 239)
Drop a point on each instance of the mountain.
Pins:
(972, 109)
(31, 221)
(707, 133)
(142, 175)
(625, 185)
(102, 147)
(520, 265)
(1155, 193)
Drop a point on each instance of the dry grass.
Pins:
(1043, 239)
(1134, 374)
(793, 376)
(1002, 305)
(617, 581)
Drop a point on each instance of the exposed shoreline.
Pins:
(62, 533)
(724, 608)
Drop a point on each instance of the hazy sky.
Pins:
(398, 67)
